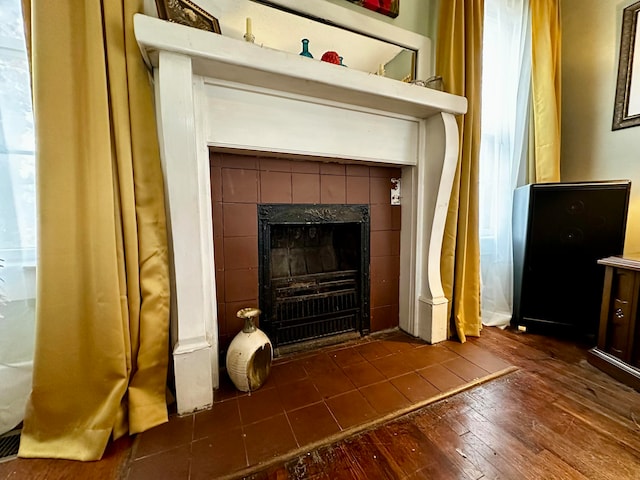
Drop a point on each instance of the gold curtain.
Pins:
(101, 352)
(546, 44)
(459, 62)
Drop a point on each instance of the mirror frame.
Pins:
(627, 70)
(354, 21)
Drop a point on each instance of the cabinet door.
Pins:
(619, 326)
(634, 333)
(635, 348)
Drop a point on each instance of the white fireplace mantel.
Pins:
(214, 92)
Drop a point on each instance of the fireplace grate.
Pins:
(318, 328)
(314, 306)
(313, 271)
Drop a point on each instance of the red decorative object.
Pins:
(390, 8)
(331, 57)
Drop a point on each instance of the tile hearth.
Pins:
(309, 398)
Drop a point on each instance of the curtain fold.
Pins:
(459, 62)
(546, 84)
(103, 282)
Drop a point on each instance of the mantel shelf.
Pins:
(223, 58)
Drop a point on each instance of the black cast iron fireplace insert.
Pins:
(313, 270)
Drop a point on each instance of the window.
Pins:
(505, 100)
(17, 218)
(17, 161)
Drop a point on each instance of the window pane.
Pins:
(17, 163)
(17, 219)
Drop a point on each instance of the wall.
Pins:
(590, 149)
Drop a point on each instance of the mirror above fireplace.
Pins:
(364, 43)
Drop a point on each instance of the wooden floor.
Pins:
(112, 466)
(557, 417)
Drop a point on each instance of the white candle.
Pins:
(248, 32)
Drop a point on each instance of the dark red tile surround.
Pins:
(239, 182)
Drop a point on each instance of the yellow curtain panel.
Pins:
(546, 45)
(101, 356)
(459, 62)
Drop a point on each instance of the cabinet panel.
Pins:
(618, 350)
(635, 349)
(619, 321)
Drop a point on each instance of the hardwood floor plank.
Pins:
(557, 468)
(605, 395)
(458, 450)
(410, 440)
(369, 461)
(619, 430)
(517, 454)
(566, 371)
(111, 466)
(589, 453)
(558, 417)
(597, 432)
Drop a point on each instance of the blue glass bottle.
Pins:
(305, 49)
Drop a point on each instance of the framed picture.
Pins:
(390, 8)
(626, 110)
(187, 13)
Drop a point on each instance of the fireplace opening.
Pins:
(313, 271)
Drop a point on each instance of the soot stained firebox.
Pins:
(313, 270)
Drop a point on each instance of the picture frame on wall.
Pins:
(626, 111)
(390, 8)
(187, 13)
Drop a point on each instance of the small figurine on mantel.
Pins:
(248, 35)
(305, 49)
(331, 57)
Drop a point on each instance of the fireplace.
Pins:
(217, 93)
(254, 196)
(314, 270)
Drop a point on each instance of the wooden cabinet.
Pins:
(618, 349)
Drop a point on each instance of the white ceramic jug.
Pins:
(250, 354)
